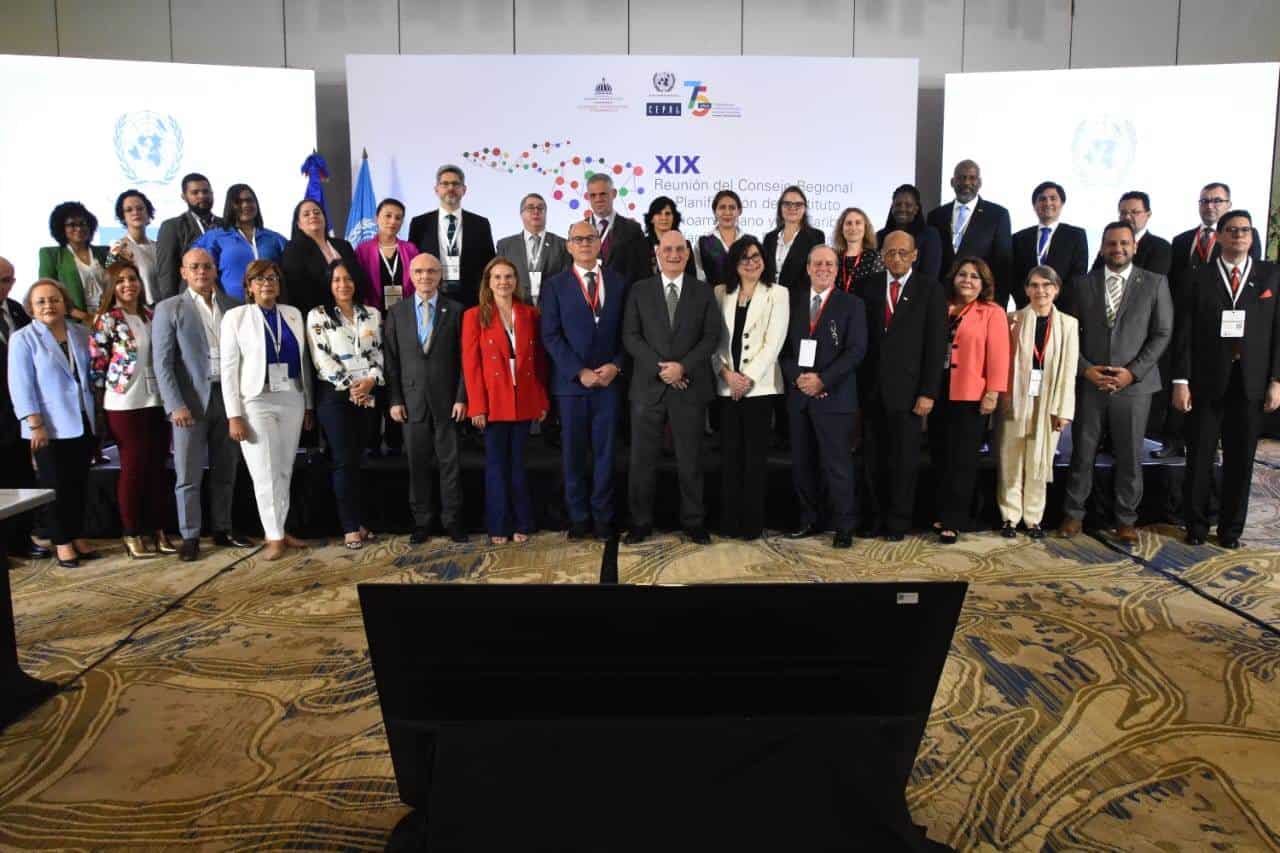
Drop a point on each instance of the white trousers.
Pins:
(275, 425)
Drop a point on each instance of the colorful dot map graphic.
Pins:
(567, 171)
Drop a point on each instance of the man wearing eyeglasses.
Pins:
(462, 240)
(538, 255)
(1226, 373)
(581, 327)
(187, 361)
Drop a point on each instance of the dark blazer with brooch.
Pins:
(650, 337)
(1067, 254)
(429, 381)
(842, 343)
(904, 358)
(477, 249)
(306, 272)
(987, 236)
(1200, 353)
(794, 274)
(175, 238)
(1143, 326)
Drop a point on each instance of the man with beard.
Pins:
(177, 234)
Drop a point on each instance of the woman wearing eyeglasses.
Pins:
(79, 267)
(266, 390)
(749, 382)
(242, 241)
(135, 211)
(786, 247)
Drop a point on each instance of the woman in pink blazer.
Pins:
(975, 371)
(385, 258)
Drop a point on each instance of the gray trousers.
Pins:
(432, 445)
(1125, 416)
(206, 438)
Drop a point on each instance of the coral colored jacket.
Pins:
(486, 366)
(980, 353)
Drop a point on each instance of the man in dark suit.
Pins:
(616, 231)
(1226, 373)
(898, 381)
(1126, 321)
(422, 351)
(670, 328)
(1154, 253)
(582, 310)
(536, 253)
(974, 227)
(1054, 244)
(177, 234)
(825, 344)
(460, 239)
(15, 453)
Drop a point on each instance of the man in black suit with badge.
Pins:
(825, 344)
(1064, 248)
(670, 328)
(616, 231)
(973, 226)
(1226, 373)
(462, 240)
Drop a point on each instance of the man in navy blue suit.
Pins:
(582, 331)
(825, 344)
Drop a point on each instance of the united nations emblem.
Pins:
(1102, 150)
(664, 81)
(148, 147)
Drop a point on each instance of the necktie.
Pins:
(603, 225)
(451, 233)
(1235, 282)
(1114, 284)
(673, 299)
(962, 216)
(895, 289)
(1044, 242)
(815, 308)
(1205, 245)
(535, 246)
(425, 322)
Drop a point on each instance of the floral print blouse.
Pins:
(338, 347)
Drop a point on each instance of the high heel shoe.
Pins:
(163, 545)
(137, 549)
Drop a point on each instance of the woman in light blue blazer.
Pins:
(52, 392)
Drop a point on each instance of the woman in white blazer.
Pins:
(266, 390)
(749, 381)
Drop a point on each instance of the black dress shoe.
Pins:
(636, 535)
(804, 532)
(457, 534)
(894, 537)
(1195, 539)
(73, 563)
(843, 539)
(1009, 531)
(189, 550)
(580, 530)
(1177, 447)
(224, 539)
(419, 535)
(1035, 531)
(698, 535)
(1230, 542)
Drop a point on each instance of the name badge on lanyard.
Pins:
(277, 372)
(535, 284)
(808, 352)
(253, 243)
(215, 362)
(1233, 320)
(391, 294)
(149, 377)
(1037, 377)
(452, 268)
(1041, 351)
(1232, 324)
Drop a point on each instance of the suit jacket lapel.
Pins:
(1136, 280)
(51, 344)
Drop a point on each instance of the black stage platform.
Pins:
(386, 492)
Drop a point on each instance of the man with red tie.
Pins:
(1226, 373)
(615, 230)
(898, 382)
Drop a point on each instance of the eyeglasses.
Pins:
(534, 208)
(896, 253)
(793, 205)
(266, 279)
(1237, 230)
(1215, 200)
(243, 200)
(451, 185)
(199, 265)
(77, 223)
(7, 279)
(753, 258)
(584, 239)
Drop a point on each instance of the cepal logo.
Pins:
(699, 103)
(677, 164)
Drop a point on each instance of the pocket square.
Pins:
(1266, 294)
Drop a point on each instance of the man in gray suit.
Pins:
(1126, 322)
(670, 328)
(537, 254)
(422, 355)
(184, 346)
(177, 234)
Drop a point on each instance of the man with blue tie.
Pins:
(582, 310)
(422, 349)
(975, 227)
(1050, 243)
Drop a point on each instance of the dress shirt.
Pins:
(599, 271)
(889, 279)
(955, 214)
(444, 232)
(824, 296)
(666, 283)
(233, 253)
(1052, 226)
(608, 220)
(7, 323)
(424, 323)
(1137, 237)
(211, 320)
(535, 262)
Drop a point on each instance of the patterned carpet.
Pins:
(1093, 699)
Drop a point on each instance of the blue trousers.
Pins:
(346, 428)
(588, 426)
(508, 505)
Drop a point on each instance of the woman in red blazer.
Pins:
(975, 372)
(505, 368)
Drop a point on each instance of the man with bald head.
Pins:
(826, 342)
(972, 226)
(898, 382)
(671, 327)
(422, 356)
(186, 356)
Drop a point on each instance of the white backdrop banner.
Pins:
(1165, 130)
(87, 129)
(680, 126)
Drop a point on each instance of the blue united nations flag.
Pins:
(148, 147)
(361, 219)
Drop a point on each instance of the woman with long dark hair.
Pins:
(787, 246)
(242, 240)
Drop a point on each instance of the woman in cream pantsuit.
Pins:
(266, 390)
(1033, 413)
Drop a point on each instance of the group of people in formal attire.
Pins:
(224, 340)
